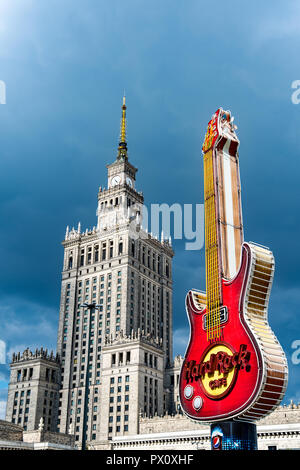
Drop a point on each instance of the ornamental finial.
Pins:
(122, 150)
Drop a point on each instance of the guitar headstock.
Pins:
(220, 125)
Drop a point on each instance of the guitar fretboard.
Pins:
(213, 279)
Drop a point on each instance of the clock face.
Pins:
(129, 181)
(115, 180)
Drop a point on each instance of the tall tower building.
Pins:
(115, 324)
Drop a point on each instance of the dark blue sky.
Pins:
(66, 63)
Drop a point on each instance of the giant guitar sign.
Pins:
(234, 366)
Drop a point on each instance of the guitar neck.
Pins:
(223, 215)
(212, 252)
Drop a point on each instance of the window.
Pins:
(167, 269)
(96, 253)
(82, 257)
(104, 251)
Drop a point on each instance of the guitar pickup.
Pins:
(221, 316)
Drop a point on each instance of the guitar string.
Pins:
(206, 239)
(208, 242)
(207, 260)
(212, 271)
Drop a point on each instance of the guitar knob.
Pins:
(188, 392)
(197, 403)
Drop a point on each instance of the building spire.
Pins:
(122, 149)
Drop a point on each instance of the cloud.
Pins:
(27, 324)
(24, 324)
(279, 24)
(180, 340)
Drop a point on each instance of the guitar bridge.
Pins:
(222, 317)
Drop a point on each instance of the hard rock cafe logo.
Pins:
(218, 368)
(212, 133)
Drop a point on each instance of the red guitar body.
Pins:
(243, 373)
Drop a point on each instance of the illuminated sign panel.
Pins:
(234, 367)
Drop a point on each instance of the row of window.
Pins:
(150, 360)
(117, 386)
(150, 396)
(119, 359)
(27, 374)
(96, 253)
(117, 429)
(106, 250)
(86, 287)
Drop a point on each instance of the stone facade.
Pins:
(283, 415)
(132, 380)
(10, 432)
(34, 390)
(280, 430)
(13, 437)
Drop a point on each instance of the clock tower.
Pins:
(121, 171)
(120, 203)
